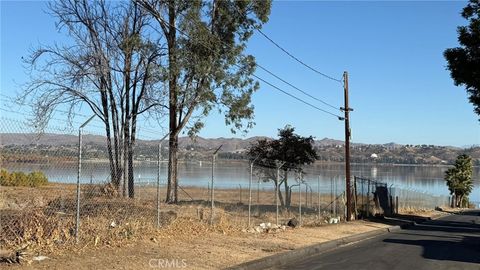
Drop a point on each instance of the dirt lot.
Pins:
(118, 233)
(200, 250)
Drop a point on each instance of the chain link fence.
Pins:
(83, 206)
(372, 197)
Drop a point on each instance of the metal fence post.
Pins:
(368, 199)
(212, 206)
(331, 196)
(159, 158)
(276, 193)
(318, 190)
(258, 196)
(77, 220)
(396, 205)
(250, 193)
(335, 198)
(212, 191)
(300, 200)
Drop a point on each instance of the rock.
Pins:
(293, 223)
(258, 229)
(333, 220)
(39, 258)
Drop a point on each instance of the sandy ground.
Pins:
(211, 250)
(188, 242)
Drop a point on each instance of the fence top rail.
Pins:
(364, 179)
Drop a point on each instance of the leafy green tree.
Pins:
(464, 61)
(459, 179)
(206, 68)
(290, 148)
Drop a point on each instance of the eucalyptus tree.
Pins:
(206, 67)
(109, 64)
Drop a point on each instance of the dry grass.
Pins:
(122, 233)
(44, 218)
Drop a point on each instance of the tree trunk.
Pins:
(116, 137)
(173, 107)
(172, 170)
(288, 198)
(131, 178)
(113, 170)
(460, 200)
(280, 196)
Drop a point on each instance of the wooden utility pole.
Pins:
(347, 110)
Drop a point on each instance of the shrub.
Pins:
(33, 179)
(36, 179)
(4, 177)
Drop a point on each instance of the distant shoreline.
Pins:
(105, 161)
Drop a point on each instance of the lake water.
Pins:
(232, 174)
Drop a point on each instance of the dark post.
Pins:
(391, 204)
(396, 205)
(347, 110)
(368, 198)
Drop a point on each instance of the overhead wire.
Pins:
(298, 89)
(256, 76)
(297, 98)
(297, 59)
(290, 54)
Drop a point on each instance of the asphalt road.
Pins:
(452, 242)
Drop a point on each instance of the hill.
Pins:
(329, 150)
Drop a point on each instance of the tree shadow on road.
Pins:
(401, 220)
(463, 247)
(465, 250)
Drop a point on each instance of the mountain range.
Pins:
(234, 148)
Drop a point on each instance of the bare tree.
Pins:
(111, 64)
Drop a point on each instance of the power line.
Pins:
(259, 78)
(300, 90)
(291, 55)
(297, 98)
(283, 80)
(296, 59)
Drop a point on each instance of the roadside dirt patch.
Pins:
(199, 247)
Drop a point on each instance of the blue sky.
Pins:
(399, 88)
